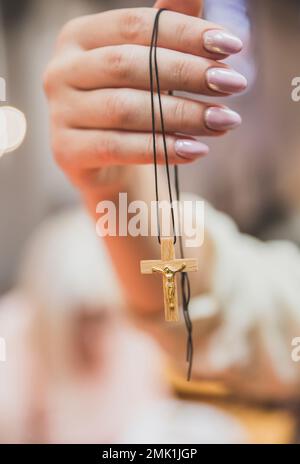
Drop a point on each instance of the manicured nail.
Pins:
(190, 149)
(223, 42)
(225, 80)
(217, 118)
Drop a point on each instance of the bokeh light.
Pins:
(12, 129)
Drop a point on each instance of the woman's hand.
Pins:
(98, 88)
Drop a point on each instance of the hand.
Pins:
(98, 88)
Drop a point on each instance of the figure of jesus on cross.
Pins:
(169, 267)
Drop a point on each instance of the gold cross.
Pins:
(169, 266)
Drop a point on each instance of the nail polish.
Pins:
(190, 149)
(218, 41)
(225, 80)
(217, 118)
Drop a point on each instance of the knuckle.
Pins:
(182, 72)
(54, 77)
(47, 80)
(59, 71)
(68, 31)
(132, 25)
(182, 31)
(60, 115)
(107, 148)
(181, 113)
(148, 153)
(121, 110)
(117, 62)
(61, 148)
(50, 79)
(65, 33)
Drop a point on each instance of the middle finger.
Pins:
(128, 66)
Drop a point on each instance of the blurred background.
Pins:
(252, 174)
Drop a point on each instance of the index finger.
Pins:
(177, 31)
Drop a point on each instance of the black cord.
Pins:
(185, 282)
(185, 293)
(153, 51)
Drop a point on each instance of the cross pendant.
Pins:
(169, 266)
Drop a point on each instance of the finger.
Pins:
(87, 149)
(189, 7)
(130, 110)
(134, 26)
(128, 66)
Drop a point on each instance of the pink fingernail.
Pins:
(217, 118)
(190, 149)
(218, 41)
(225, 80)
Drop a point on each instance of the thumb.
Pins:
(189, 7)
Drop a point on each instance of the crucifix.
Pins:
(168, 266)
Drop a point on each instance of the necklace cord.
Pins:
(153, 53)
(185, 282)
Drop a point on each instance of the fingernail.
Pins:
(190, 149)
(217, 118)
(225, 80)
(223, 42)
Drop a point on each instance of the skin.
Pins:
(98, 88)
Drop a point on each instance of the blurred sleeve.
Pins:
(243, 330)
